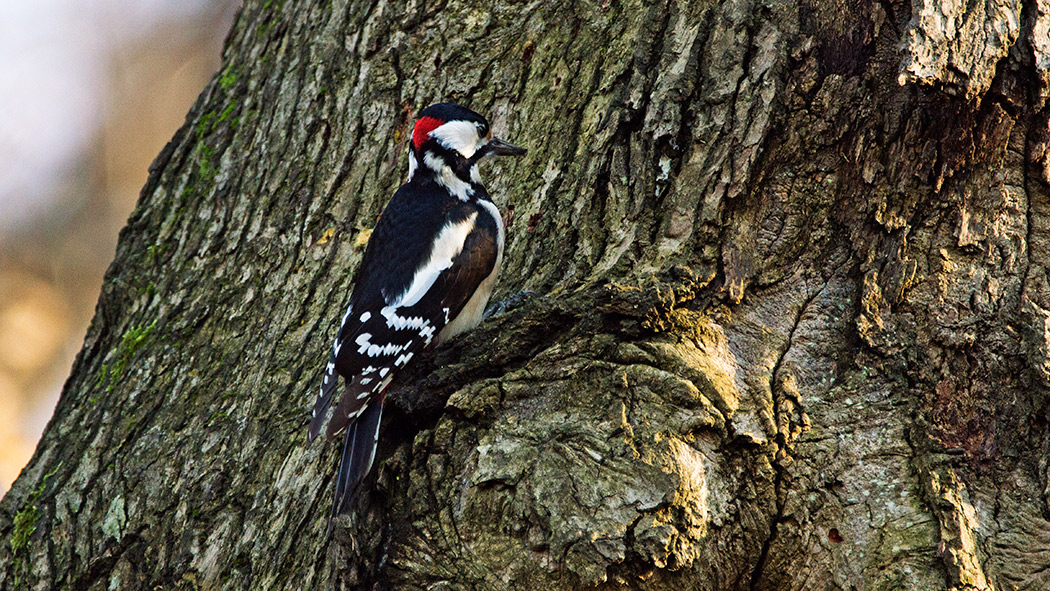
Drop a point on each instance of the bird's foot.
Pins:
(510, 303)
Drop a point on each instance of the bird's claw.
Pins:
(510, 303)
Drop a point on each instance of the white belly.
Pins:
(472, 313)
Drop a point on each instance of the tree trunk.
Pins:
(792, 328)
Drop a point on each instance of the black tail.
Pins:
(359, 450)
(324, 400)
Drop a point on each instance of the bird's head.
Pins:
(449, 141)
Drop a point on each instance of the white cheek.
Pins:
(461, 136)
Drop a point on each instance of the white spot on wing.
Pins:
(365, 316)
(356, 413)
(427, 333)
(400, 322)
(362, 342)
(375, 350)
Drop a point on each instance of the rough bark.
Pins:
(792, 330)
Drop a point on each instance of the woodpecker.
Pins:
(427, 274)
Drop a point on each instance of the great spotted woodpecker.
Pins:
(428, 270)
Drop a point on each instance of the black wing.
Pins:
(388, 265)
(391, 321)
(386, 337)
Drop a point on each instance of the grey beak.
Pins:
(501, 148)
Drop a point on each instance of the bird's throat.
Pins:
(458, 182)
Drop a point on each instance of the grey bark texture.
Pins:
(792, 328)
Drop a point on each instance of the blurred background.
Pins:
(90, 91)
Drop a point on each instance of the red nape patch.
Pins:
(424, 126)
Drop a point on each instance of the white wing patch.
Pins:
(473, 311)
(494, 212)
(447, 246)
